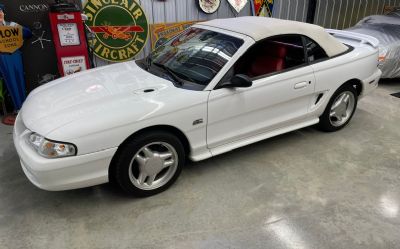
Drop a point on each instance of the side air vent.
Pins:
(148, 90)
(318, 98)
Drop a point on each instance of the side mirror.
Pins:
(239, 80)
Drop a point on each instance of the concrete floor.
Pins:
(305, 189)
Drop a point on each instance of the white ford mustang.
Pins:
(220, 85)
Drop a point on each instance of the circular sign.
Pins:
(120, 28)
(209, 6)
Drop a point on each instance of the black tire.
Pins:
(325, 122)
(131, 148)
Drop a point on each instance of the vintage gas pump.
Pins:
(69, 38)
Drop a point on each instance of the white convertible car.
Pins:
(219, 85)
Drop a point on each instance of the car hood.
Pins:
(116, 89)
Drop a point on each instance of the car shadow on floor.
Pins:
(110, 193)
(20, 185)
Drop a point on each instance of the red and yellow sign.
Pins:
(10, 38)
(162, 32)
(263, 7)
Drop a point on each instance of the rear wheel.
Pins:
(149, 163)
(339, 110)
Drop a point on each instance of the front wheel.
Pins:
(149, 163)
(339, 110)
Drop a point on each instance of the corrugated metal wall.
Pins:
(291, 9)
(341, 14)
(338, 14)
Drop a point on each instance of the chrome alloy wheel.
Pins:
(153, 165)
(342, 108)
(148, 163)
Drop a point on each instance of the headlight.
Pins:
(51, 149)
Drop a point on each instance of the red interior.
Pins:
(270, 58)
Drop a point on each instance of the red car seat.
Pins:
(269, 59)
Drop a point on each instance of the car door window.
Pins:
(268, 56)
(314, 51)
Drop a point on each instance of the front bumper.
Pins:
(62, 173)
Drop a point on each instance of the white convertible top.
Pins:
(259, 28)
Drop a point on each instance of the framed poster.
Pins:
(68, 34)
(73, 64)
(162, 32)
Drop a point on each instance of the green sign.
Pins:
(120, 27)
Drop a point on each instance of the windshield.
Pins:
(195, 56)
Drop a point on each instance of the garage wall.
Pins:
(186, 10)
(183, 10)
(338, 14)
(291, 9)
(341, 14)
(179, 10)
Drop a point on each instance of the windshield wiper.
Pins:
(149, 61)
(170, 72)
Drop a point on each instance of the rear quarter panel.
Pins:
(360, 64)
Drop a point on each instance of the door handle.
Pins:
(300, 85)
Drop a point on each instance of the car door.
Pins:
(280, 96)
